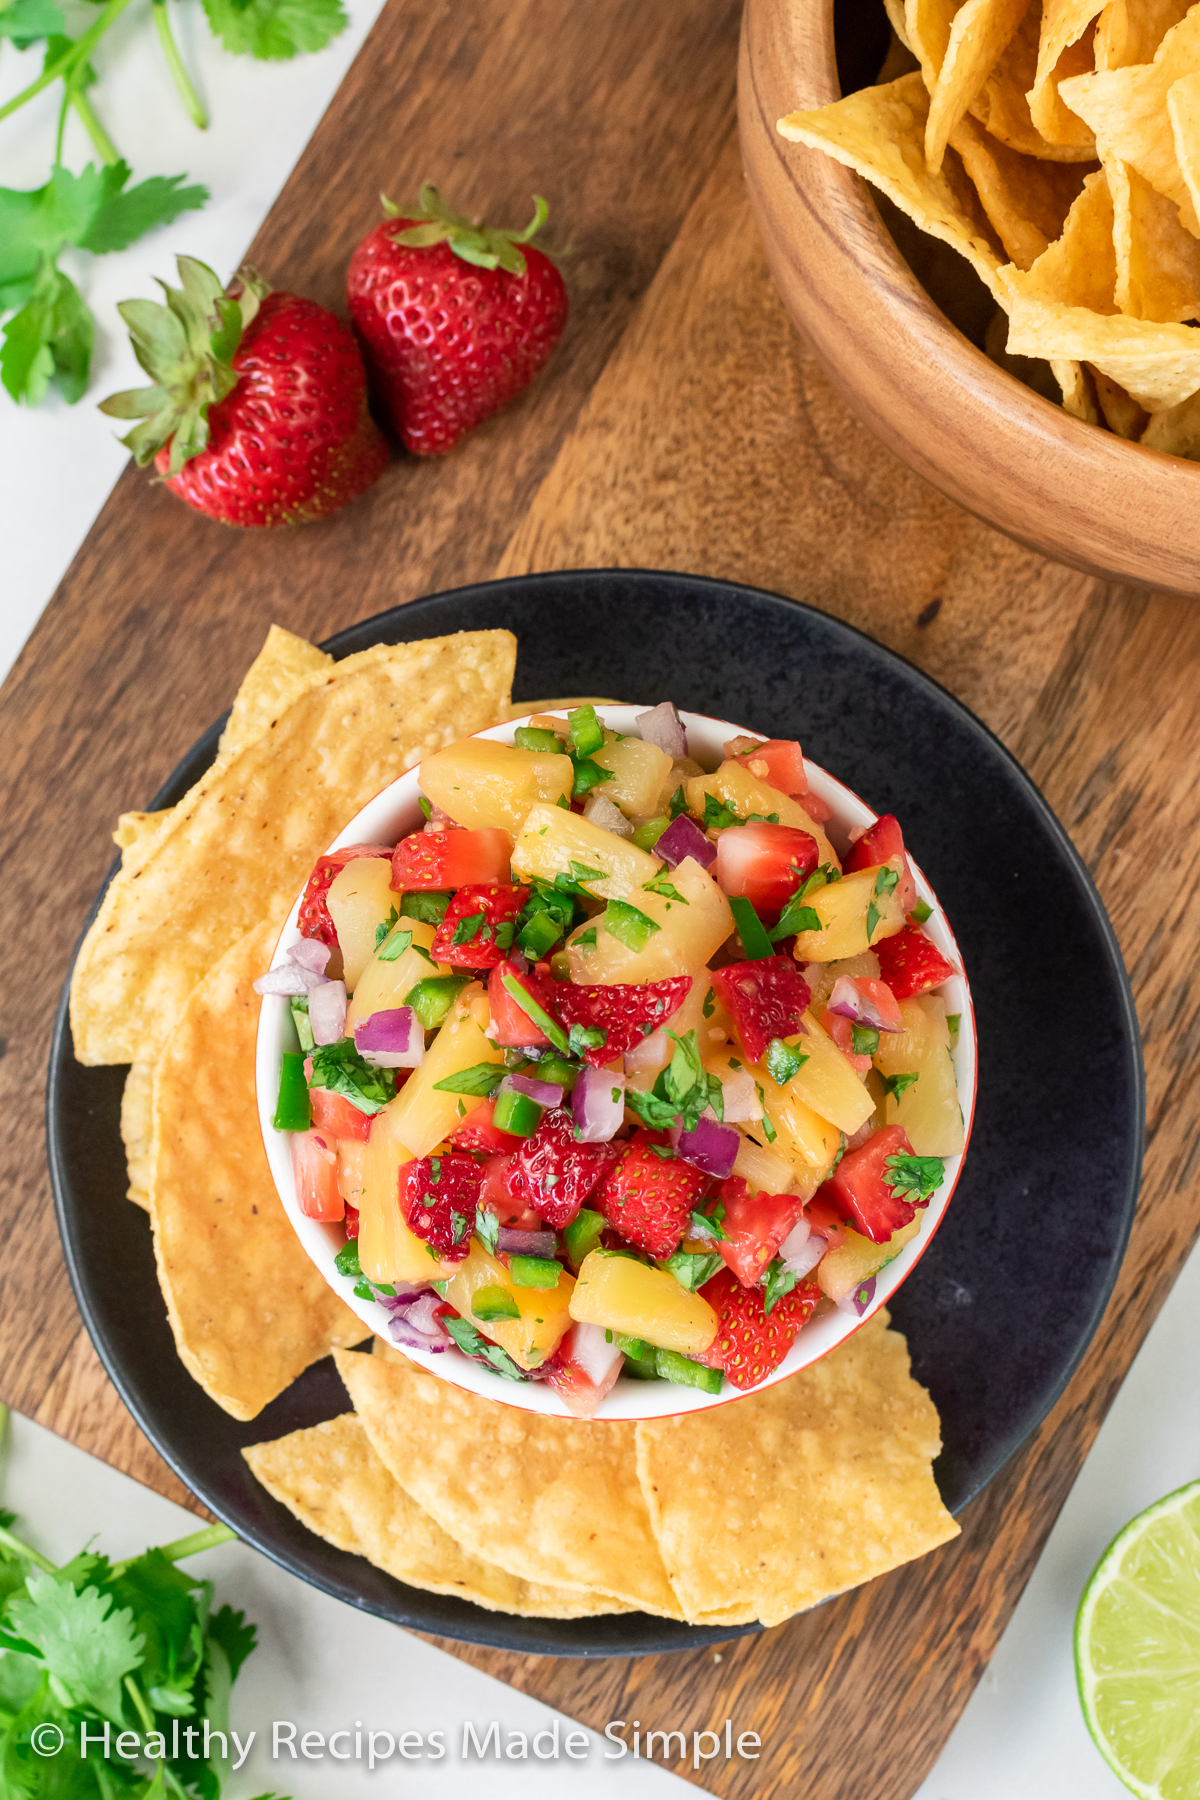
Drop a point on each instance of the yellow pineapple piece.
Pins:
(639, 771)
(827, 1083)
(689, 930)
(420, 1116)
(842, 907)
(929, 1110)
(545, 1318)
(360, 898)
(855, 1260)
(384, 985)
(387, 1250)
(481, 783)
(808, 1141)
(551, 839)
(620, 1294)
(743, 793)
(762, 1169)
(857, 967)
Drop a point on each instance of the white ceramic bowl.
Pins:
(392, 814)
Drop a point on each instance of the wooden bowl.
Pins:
(1070, 490)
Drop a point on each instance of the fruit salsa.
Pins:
(615, 1066)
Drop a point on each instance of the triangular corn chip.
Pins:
(1002, 104)
(1027, 200)
(1079, 269)
(1159, 365)
(1047, 109)
(980, 32)
(1158, 261)
(1130, 31)
(1183, 110)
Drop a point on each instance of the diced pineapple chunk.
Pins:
(420, 1116)
(638, 773)
(762, 1169)
(480, 783)
(929, 1109)
(360, 898)
(843, 908)
(384, 985)
(856, 967)
(856, 1259)
(552, 840)
(387, 1250)
(808, 1141)
(687, 932)
(827, 1083)
(735, 787)
(621, 1294)
(544, 1321)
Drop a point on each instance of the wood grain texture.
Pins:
(701, 435)
(1070, 490)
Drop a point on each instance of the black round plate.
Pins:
(1004, 1302)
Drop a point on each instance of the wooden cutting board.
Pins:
(682, 425)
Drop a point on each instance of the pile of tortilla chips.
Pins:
(1056, 145)
(752, 1510)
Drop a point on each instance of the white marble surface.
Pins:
(321, 1662)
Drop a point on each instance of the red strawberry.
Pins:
(454, 318)
(259, 413)
(751, 1343)
(553, 1173)
(649, 1198)
(878, 844)
(910, 964)
(438, 1197)
(450, 859)
(351, 1220)
(767, 999)
(314, 920)
(467, 936)
(620, 1012)
(511, 1025)
(479, 1136)
(755, 1225)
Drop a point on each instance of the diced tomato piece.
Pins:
(314, 1160)
(878, 844)
(765, 863)
(911, 964)
(334, 1114)
(767, 999)
(863, 1192)
(784, 765)
(480, 1137)
(755, 1226)
(509, 1025)
(450, 859)
(842, 1032)
(314, 919)
(496, 1193)
(467, 936)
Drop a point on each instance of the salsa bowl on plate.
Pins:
(561, 1293)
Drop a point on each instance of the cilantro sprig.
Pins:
(914, 1178)
(682, 1091)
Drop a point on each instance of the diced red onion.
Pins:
(416, 1323)
(711, 1147)
(310, 953)
(597, 810)
(847, 999)
(596, 1113)
(662, 726)
(740, 1097)
(526, 1243)
(290, 979)
(547, 1093)
(802, 1249)
(683, 837)
(858, 1299)
(391, 1039)
(327, 1012)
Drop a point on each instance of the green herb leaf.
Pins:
(796, 916)
(341, 1069)
(382, 929)
(896, 1085)
(783, 1061)
(678, 802)
(660, 885)
(481, 1078)
(346, 1261)
(585, 1037)
(468, 929)
(710, 1224)
(586, 939)
(716, 816)
(750, 929)
(885, 883)
(864, 1040)
(779, 1281)
(709, 1006)
(628, 925)
(472, 1343)
(396, 945)
(275, 30)
(487, 1229)
(26, 21)
(588, 775)
(914, 1178)
(425, 904)
(692, 1270)
(87, 1645)
(768, 1130)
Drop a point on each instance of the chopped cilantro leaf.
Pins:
(586, 939)
(796, 916)
(395, 946)
(768, 1130)
(480, 1079)
(711, 1224)
(427, 905)
(716, 816)
(468, 928)
(896, 1085)
(779, 1281)
(382, 929)
(660, 885)
(692, 1270)
(914, 1178)
(710, 1004)
(678, 802)
(472, 1343)
(341, 1069)
(487, 1229)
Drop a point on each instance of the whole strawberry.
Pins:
(455, 319)
(258, 415)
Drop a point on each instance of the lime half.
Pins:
(1137, 1650)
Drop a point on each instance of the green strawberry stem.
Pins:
(79, 52)
(488, 247)
(193, 105)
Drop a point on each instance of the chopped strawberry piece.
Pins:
(765, 864)
(779, 762)
(649, 1198)
(496, 1194)
(554, 1173)
(624, 1013)
(755, 1225)
(841, 1030)
(767, 999)
(863, 1191)
(510, 1025)
(314, 1160)
(751, 1343)
(351, 1220)
(584, 1369)
(825, 1218)
(878, 844)
(477, 1135)
(911, 964)
(467, 936)
(340, 1117)
(438, 1197)
(450, 859)
(314, 920)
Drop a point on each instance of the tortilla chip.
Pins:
(136, 1102)
(1078, 390)
(1063, 24)
(1158, 262)
(1027, 200)
(1047, 109)
(1121, 413)
(1080, 268)
(927, 27)
(1183, 110)
(1159, 365)
(278, 675)
(1130, 31)
(551, 1500)
(980, 32)
(880, 133)
(802, 1490)
(895, 13)
(1127, 111)
(1002, 105)
(330, 1478)
(239, 846)
(519, 710)
(1176, 429)
(249, 1310)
